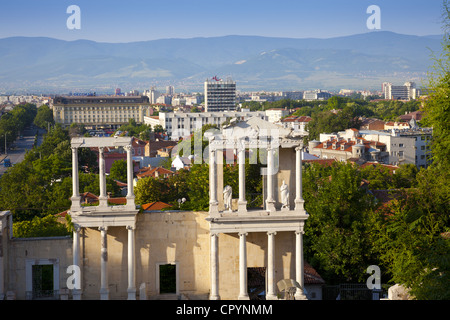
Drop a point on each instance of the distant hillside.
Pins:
(358, 61)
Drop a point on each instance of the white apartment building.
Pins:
(100, 111)
(406, 92)
(316, 95)
(276, 114)
(220, 95)
(403, 146)
(180, 124)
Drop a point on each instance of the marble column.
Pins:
(130, 178)
(214, 262)
(103, 199)
(75, 180)
(213, 203)
(243, 294)
(270, 202)
(242, 203)
(76, 293)
(299, 202)
(104, 289)
(299, 265)
(131, 264)
(271, 293)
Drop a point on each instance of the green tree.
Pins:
(118, 170)
(412, 237)
(337, 232)
(44, 117)
(198, 186)
(47, 226)
(148, 189)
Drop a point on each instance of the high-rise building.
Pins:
(170, 90)
(406, 92)
(220, 95)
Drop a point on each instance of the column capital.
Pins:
(214, 234)
(299, 148)
(271, 233)
(128, 147)
(242, 234)
(76, 227)
(300, 231)
(130, 227)
(103, 228)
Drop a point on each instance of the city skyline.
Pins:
(132, 21)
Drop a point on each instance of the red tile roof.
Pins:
(311, 276)
(155, 206)
(152, 172)
(297, 119)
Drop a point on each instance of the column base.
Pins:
(300, 205)
(104, 294)
(300, 295)
(214, 209)
(76, 204)
(102, 202)
(131, 293)
(131, 205)
(242, 206)
(243, 297)
(76, 294)
(214, 297)
(270, 206)
(271, 297)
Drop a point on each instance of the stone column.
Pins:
(213, 203)
(76, 293)
(214, 261)
(104, 290)
(131, 264)
(75, 184)
(271, 293)
(242, 203)
(243, 294)
(299, 265)
(299, 202)
(130, 177)
(103, 199)
(270, 202)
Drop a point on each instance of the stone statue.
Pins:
(227, 197)
(284, 190)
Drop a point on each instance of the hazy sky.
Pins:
(140, 20)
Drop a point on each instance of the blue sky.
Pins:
(140, 20)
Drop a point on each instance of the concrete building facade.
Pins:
(220, 95)
(100, 111)
(181, 124)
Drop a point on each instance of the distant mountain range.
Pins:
(360, 61)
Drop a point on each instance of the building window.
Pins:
(167, 278)
(42, 278)
(401, 145)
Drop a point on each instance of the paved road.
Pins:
(21, 146)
